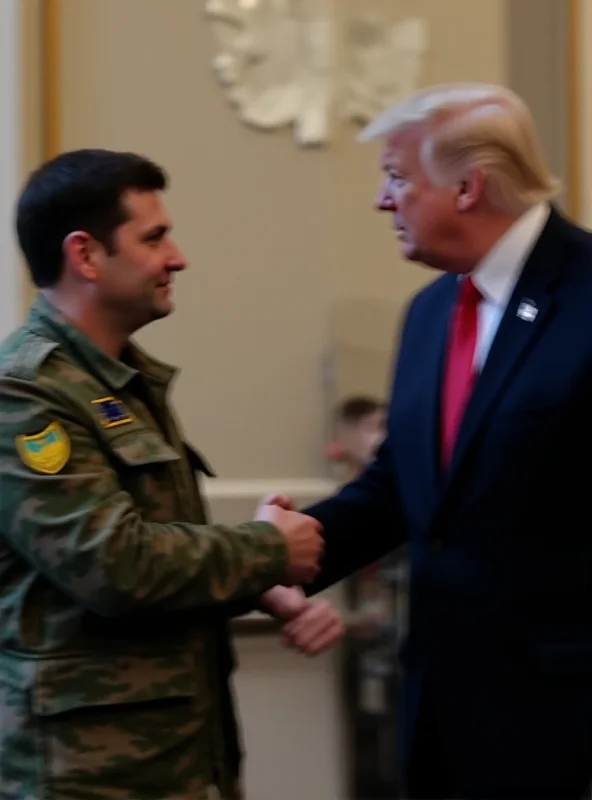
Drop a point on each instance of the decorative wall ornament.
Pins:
(292, 62)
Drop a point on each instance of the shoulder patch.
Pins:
(46, 452)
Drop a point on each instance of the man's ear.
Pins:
(82, 252)
(470, 190)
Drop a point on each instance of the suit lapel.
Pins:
(518, 331)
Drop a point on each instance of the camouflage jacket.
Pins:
(113, 589)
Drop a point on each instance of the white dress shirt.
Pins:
(497, 274)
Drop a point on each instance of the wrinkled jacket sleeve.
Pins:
(81, 530)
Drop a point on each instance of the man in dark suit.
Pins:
(483, 469)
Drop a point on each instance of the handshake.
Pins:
(301, 533)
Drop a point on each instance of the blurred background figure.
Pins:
(360, 427)
(376, 597)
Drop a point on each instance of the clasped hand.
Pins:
(309, 626)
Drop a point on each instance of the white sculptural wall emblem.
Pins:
(290, 62)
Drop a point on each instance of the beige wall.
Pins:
(31, 86)
(537, 50)
(585, 31)
(283, 244)
(32, 110)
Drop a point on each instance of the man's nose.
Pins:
(384, 200)
(176, 261)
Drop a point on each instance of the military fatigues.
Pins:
(113, 590)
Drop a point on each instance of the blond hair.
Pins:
(467, 126)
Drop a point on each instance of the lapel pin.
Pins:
(527, 311)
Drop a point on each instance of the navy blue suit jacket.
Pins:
(501, 543)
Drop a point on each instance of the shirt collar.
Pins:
(497, 274)
(46, 319)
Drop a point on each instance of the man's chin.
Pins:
(409, 250)
(163, 310)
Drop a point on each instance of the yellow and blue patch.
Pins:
(112, 412)
(46, 452)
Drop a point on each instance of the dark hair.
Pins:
(79, 190)
(353, 409)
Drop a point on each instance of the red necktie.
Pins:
(459, 374)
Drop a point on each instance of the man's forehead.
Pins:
(145, 207)
(400, 148)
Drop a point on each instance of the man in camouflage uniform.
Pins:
(114, 590)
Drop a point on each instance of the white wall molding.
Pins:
(234, 501)
(254, 489)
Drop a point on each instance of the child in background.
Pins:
(360, 427)
(377, 609)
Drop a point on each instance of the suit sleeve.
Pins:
(362, 523)
(79, 527)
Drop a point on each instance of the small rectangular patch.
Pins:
(112, 412)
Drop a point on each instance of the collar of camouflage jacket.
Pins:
(50, 323)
